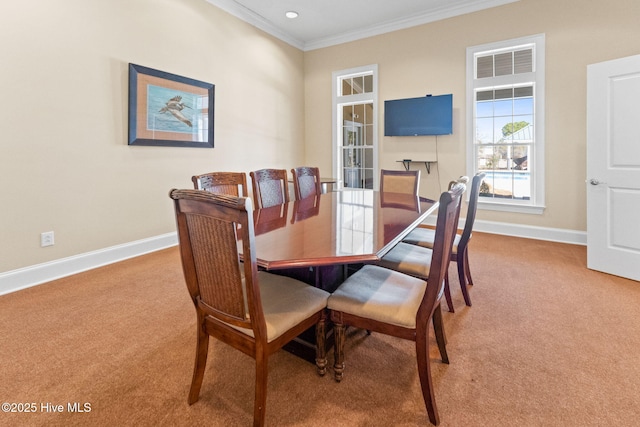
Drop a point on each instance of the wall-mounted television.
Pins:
(428, 115)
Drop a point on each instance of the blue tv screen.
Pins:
(429, 115)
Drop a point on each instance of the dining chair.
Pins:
(232, 183)
(416, 260)
(407, 182)
(460, 252)
(270, 187)
(306, 182)
(256, 313)
(389, 302)
(394, 181)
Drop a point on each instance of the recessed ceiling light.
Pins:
(291, 14)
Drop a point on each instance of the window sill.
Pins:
(511, 207)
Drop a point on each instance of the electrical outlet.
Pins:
(46, 239)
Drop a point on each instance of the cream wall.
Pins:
(64, 160)
(431, 59)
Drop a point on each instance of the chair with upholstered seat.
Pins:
(418, 263)
(232, 183)
(389, 302)
(270, 187)
(416, 260)
(255, 312)
(393, 181)
(306, 182)
(424, 237)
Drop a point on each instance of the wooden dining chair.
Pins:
(425, 237)
(306, 182)
(396, 304)
(408, 182)
(394, 181)
(232, 183)
(270, 187)
(416, 260)
(255, 312)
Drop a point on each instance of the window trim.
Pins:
(537, 204)
(337, 100)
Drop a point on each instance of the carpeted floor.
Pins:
(547, 343)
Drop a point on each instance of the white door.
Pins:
(613, 167)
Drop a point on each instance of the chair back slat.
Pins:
(217, 265)
(270, 187)
(306, 182)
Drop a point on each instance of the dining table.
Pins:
(335, 228)
(322, 238)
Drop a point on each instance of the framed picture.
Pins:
(169, 110)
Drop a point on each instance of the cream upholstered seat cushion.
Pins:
(286, 302)
(410, 259)
(425, 237)
(380, 294)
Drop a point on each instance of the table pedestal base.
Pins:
(327, 278)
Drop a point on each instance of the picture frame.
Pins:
(169, 110)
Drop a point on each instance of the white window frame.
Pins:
(338, 102)
(536, 204)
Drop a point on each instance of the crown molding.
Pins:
(257, 21)
(252, 18)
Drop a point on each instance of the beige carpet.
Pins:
(547, 343)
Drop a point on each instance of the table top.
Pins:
(342, 227)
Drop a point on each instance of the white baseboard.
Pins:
(560, 235)
(15, 280)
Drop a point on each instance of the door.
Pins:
(354, 123)
(613, 167)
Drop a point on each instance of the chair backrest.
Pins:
(231, 183)
(463, 179)
(471, 210)
(306, 182)
(270, 187)
(209, 226)
(394, 181)
(448, 213)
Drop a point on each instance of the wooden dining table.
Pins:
(320, 238)
(335, 229)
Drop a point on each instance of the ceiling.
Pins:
(323, 23)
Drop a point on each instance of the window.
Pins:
(355, 158)
(505, 110)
